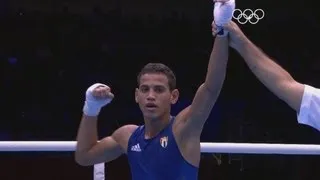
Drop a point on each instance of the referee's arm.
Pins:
(272, 75)
(304, 99)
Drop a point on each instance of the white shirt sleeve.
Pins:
(309, 113)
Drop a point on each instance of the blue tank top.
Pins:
(158, 158)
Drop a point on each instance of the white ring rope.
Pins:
(99, 169)
(242, 148)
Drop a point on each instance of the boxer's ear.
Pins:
(136, 95)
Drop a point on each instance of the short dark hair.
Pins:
(161, 69)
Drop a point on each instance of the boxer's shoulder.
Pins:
(123, 134)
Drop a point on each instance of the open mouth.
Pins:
(151, 106)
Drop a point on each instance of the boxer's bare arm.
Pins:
(90, 150)
(191, 120)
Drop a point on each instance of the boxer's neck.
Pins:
(154, 126)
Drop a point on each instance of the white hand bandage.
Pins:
(222, 14)
(92, 104)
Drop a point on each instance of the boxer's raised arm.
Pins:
(89, 150)
(207, 94)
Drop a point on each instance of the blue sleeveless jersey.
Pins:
(158, 158)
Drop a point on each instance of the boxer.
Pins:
(166, 146)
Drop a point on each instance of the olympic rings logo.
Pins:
(248, 15)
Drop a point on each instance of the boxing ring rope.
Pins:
(234, 148)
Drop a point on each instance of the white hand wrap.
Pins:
(93, 105)
(222, 14)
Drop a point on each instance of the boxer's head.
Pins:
(156, 90)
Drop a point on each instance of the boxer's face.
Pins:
(154, 96)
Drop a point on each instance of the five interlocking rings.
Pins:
(248, 15)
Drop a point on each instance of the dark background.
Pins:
(52, 51)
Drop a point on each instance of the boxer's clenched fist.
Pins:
(222, 13)
(97, 96)
(102, 92)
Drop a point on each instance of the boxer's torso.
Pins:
(158, 158)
